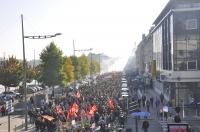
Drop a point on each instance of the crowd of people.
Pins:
(91, 107)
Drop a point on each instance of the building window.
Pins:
(191, 24)
(180, 53)
(181, 65)
(192, 65)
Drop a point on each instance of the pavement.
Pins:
(16, 124)
(155, 123)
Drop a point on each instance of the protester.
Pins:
(84, 109)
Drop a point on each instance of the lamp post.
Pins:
(75, 67)
(24, 64)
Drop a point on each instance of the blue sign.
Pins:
(140, 114)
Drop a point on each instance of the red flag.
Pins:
(111, 103)
(73, 109)
(78, 94)
(59, 109)
(92, 109)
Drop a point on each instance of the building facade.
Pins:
(144, 54)
(176, 51)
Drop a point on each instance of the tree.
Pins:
(95, 68)
(68, 69)
(51, 66)
(31, 73)
(10, 73)
(84, 66)
(77, 68)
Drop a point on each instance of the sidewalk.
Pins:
(16, 124)
(190, 118)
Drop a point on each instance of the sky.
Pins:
(112, 27)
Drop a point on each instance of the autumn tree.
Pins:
(84, 65)
(31, 73)
(95, 67)
(77, 68)
(10, 73)
(68, 69)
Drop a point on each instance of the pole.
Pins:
(91, 69)
(183, 110)
(34, 65)
(127, 105)
(74, 66)
(8, 122)
(163, 118)
(136, 124)
(99, 64)
(24, 80)
(178, 96)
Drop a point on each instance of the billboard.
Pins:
(178, 127)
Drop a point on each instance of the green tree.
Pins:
(77, 68)
(38, 70)
(31, 73)
(95, 67)
(51, 66)
(68, 69)
(84, 66)
(10, 73)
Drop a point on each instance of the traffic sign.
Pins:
(11, 110)
(9, 106)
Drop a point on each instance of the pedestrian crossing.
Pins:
(164, 125)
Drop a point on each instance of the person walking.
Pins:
(151, 100)
(143, 100)
(145, 125)
(157, 103)
(148, 105)
(161, 98)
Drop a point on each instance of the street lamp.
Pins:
(24, 63)
(75, 68)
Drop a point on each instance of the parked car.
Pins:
(10, 94)
(193, 104)
(39, 88)
(32, 87)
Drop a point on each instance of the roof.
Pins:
(171, 5)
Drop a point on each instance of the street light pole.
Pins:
(99, 64)
(91, 69)
(24, 64)
(24, 71)
(75, 67)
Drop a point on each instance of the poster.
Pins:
(178, 127)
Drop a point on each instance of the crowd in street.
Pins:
(92, 107)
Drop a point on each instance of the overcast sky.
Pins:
(108, 26)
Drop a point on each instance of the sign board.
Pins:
(11, 110)
(165, 109)
(9, 106)
(178, 127)
(141, 114)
